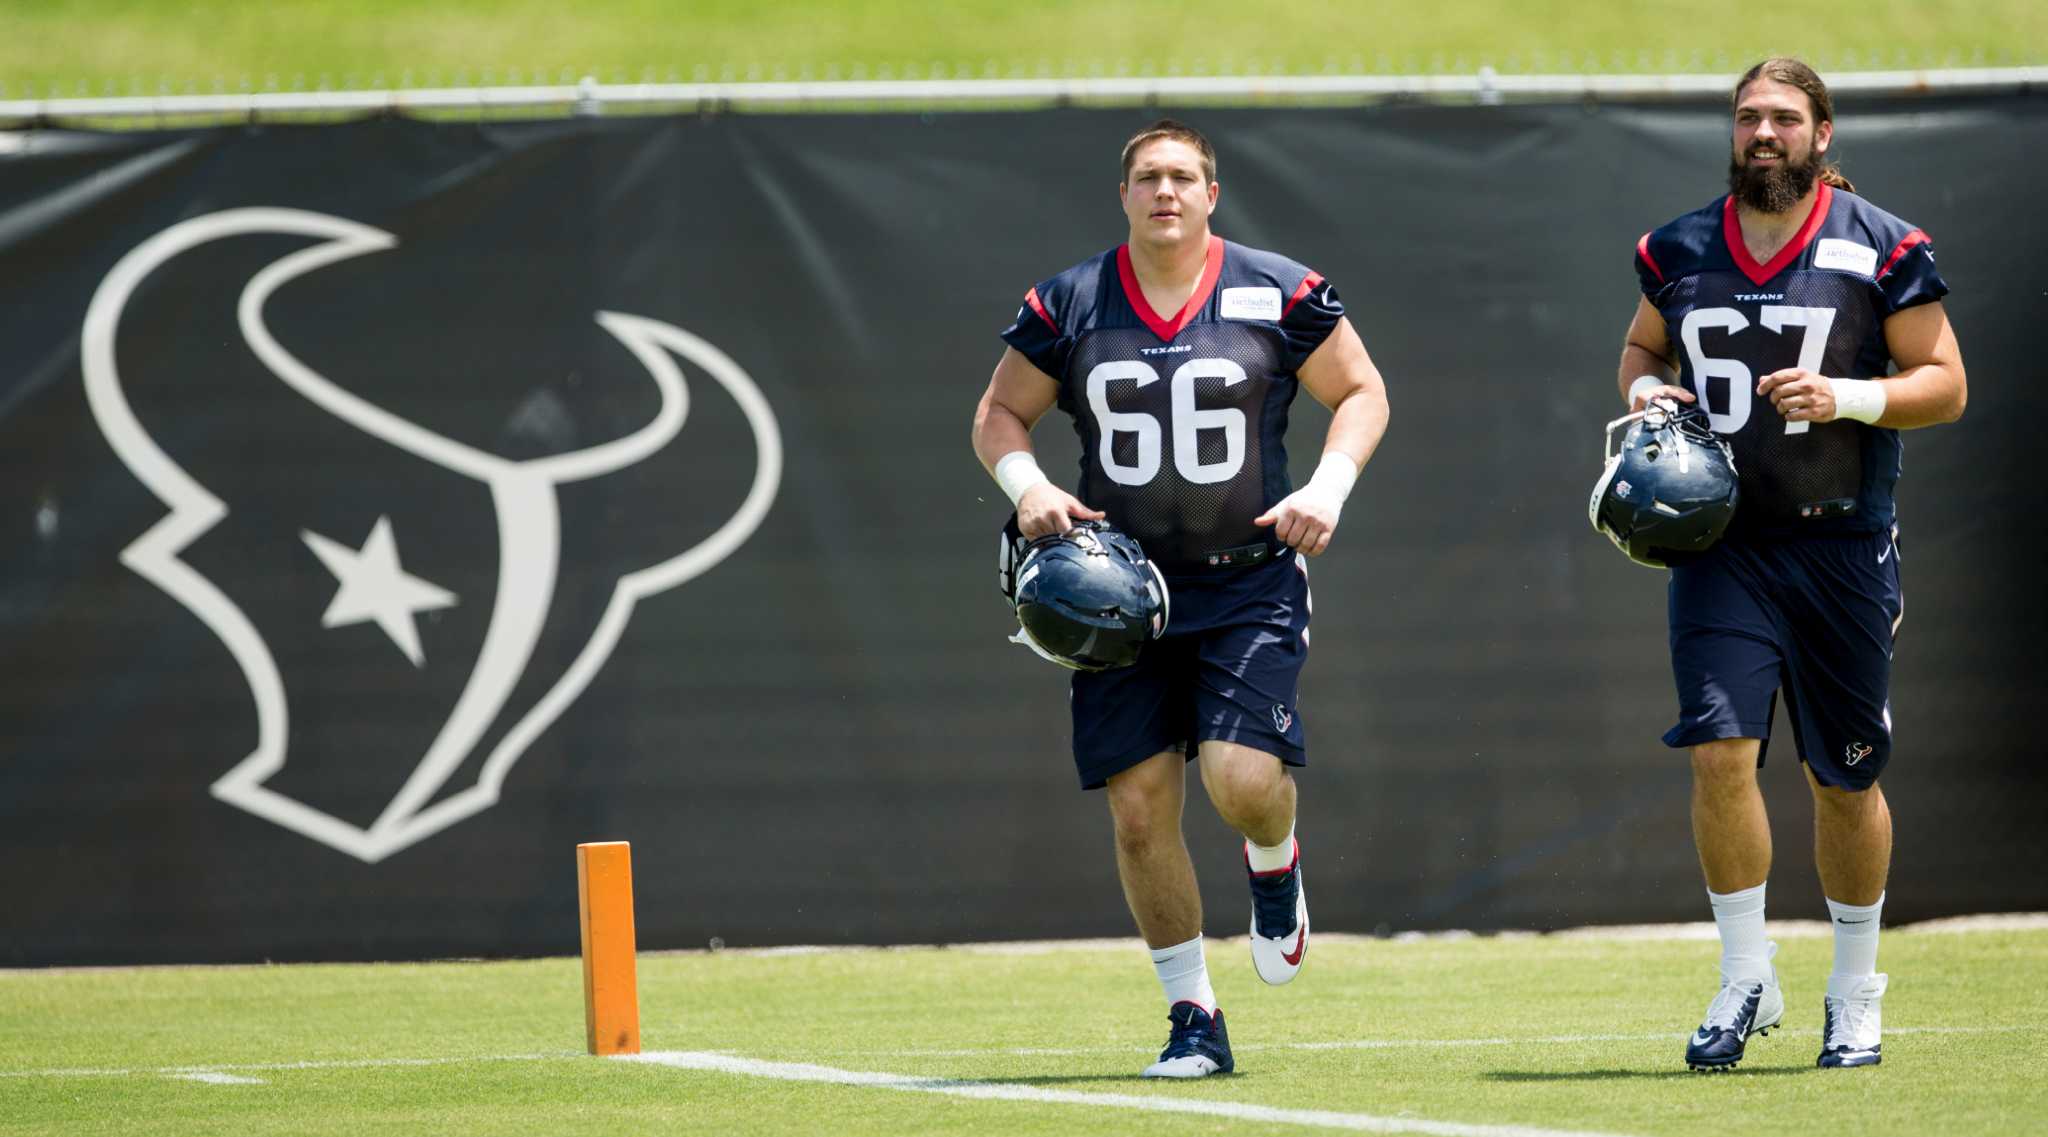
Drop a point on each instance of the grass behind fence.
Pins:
(120, 47)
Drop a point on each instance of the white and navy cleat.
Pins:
(1197, 1047)
(1742, 1008)
(1855, 1025)
(1279, 920)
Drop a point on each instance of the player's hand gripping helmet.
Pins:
(1087, 599)
(1669, 490)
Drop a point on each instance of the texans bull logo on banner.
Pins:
(498, 710)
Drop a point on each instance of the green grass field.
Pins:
(96, 47)
(1496, 1035)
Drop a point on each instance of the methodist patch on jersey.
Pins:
(1848, 256)
(1264, 303)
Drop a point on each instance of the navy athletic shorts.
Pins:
(1228, 668)
(1813, 616)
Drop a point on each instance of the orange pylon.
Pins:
(611, 993)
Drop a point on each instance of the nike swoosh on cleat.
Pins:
(1702, 1038)
(1185, 1066)
(1293, 958)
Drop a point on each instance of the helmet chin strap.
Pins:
(1022, 636)
(1165, 600)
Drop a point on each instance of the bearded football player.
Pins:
(1177, 355)
(1807, 323)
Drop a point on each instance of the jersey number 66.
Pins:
(1188, 422)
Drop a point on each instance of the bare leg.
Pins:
(1251, 790)
(1852, 842)
(1852, 848)
(1734, 841)
(1728, 823)
(1151, 856)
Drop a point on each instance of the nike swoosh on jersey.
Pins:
(1887, 552)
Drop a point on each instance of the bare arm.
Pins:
(1928, 389)
(1647, 351)
(1018, 396)
(1341, 376)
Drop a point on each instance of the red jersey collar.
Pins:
(1731, 231)
(1161, 326)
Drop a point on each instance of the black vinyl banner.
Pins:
(393, 505)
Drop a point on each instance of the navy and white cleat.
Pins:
(1198, 1046)
(1854, 1026)
(1741, 1009)
(1279, 920)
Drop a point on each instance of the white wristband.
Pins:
(1334, 476)
(1017, 472)
(1644, 383)
(1859, 399)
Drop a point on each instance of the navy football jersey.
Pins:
(1181, 418)
(1821, 304)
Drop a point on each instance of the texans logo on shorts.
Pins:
(1856, 752)
(454, 498)
(1282, 718)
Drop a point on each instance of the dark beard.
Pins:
(1773, 189)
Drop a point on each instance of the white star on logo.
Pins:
(373, 587)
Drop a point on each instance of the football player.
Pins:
(1808, 323)
(1177, 354)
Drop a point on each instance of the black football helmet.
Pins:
(1086, 599)
(1670, 490)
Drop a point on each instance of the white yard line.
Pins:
(212, 1068)
(998, 1091)
(216, 1078)
(1399, 1043)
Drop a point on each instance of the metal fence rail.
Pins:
(592, 97)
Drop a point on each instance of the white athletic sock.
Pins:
(1270, 858)
(1745, 953)
(1855, 945)
(1184, 974)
